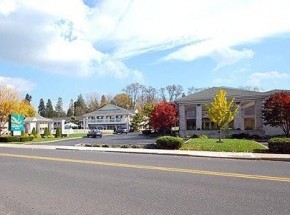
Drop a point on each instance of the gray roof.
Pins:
(38, 118)
(110, 109)
(238, 94)
(67, 118)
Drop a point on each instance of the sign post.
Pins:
(16, 123)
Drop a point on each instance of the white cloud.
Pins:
(257, 79)
(230, 56)
(71, 38)
(7, 7)
(19, 84)
(52, 36)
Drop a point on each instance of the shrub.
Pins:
(241, 136)
(168, 142)
(46, 132)
(58, 133)
(25, 135)
(24, 138)
(194, 136)
(51, 136)
(203, 137)
(147, 131)
(279, 145)
(38, 136)
(7, 139)
(33, 132)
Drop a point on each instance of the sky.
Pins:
(63, 48)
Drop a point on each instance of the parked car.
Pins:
(121, 130)
(95, 133)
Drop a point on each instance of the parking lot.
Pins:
(118, 139)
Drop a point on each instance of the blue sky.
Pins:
(63, 48)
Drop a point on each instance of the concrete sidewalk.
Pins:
(227, 155)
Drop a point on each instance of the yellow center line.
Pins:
(157, 168)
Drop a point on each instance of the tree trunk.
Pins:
(220, 137)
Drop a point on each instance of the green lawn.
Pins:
(228, 145)
(74, 135)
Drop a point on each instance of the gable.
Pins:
(110, 109)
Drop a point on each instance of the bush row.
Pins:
(7, 139)
(246, 136)
(279, 145)
(169, 142)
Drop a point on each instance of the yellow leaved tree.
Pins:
(222, 111)
(10, 102)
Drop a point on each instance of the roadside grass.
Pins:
(47, 139)
(227, 145)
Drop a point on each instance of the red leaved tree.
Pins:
(276, 111)
(164, 116)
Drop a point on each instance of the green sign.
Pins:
(16, 122)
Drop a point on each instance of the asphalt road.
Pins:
(119, 139)
(74, 182)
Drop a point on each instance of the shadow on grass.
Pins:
(150, 146)
(261, 151)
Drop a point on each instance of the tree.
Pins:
(92, 102)
(70, 110)
(104, 101)
(80, 106)
(41, 108)
(142, 118)
(133, 91)
(122, 100)
(151, 94)
(25, 108)
(162, 94)
(59, 112)
(163, 116)
(49, 109)
(221, 111)
(276, 112)
(174, 92)
(28, 98)
(137, 121)
(10, 103)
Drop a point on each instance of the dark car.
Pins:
(95, 133)
(122, 130)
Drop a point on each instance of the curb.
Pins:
(204, 154)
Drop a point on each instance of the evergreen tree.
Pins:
(59, 112)
(49, 109)
(80, 106)
(70, 111)
(41, 108)
(28, 98)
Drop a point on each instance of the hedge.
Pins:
(279, 145)
(168, 142)
(7, 139)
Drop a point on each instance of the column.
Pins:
(238, 118)
(198, 119)
(182, 118)
(50, 127)
(258, 115)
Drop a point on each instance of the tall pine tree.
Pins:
(59, 112)
(80, 106)
(41, 108)
(70, 111)
(28, 98)
(49, 109)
